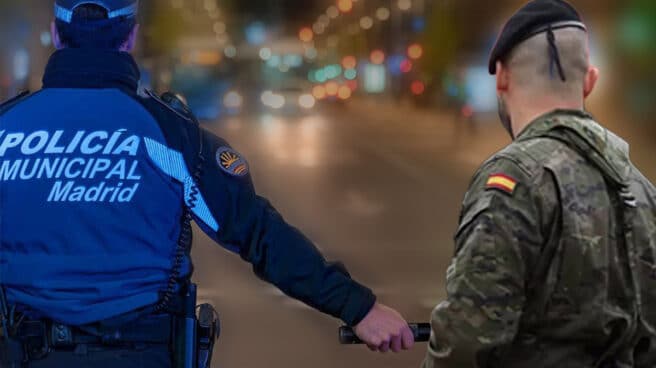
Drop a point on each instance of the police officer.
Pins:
(98, 186)
(556, 247)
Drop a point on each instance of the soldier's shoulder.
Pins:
(531, 156)
(12, 102)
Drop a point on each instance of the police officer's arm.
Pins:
(279, 253)
(499, 238)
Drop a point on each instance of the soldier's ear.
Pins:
(503, 79)
(591, 78)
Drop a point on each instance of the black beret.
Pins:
(536, 17)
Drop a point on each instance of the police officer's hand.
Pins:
(384, 329)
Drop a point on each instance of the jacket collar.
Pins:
(85, 68)
(579, 130)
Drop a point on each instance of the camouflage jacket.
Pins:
(555, 256)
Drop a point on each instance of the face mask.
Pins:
(506, 120)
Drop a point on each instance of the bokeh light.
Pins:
(417, 88)
(345, 6)
(319, 92)
(306, 34)
(415, 51)
(377, 57)
(332, 88)
(344, 93)
(349, 62)
(406, 66)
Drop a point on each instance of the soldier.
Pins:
(555, 251)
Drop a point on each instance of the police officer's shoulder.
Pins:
(169, 103)
(12, 102)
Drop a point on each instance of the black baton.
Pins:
(420, 331)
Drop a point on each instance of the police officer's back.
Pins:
(98, 185)
(556, 248)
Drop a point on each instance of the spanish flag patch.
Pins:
(501, 182)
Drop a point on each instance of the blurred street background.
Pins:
(363, 122)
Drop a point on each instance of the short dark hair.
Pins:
(90, 27)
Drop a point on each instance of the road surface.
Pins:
(374, 186)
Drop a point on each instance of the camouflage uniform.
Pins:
(558, 270)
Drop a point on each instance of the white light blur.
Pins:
(233, 100)
(273, 100)
(265, 53)
(366, 22)
(307, 101)
(383, 13)
(230, 51)
(405, 4)
(332, 12)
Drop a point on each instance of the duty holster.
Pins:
(196, 331)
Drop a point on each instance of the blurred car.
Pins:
(291, 99)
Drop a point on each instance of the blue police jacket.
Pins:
(93, 180)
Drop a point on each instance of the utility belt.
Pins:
(190, 335)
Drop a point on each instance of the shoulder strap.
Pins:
(174, 103)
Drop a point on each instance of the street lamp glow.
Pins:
(383, 14)
(405, 4)
(366, 22)
(345, 6)
(306, 34)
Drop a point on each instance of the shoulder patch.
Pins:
(501, 182)
(231, 162)
(157, 98)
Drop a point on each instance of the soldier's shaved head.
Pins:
(529, 82)
(531, 67)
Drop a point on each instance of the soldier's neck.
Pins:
(527, 112)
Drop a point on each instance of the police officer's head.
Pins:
(541, 62)
(96, 24)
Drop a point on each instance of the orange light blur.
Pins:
(344, 93)
(415, 51)
(349, 62)
(417, 88)
(332, 88)
(345, 6)
(406, 66)
(319, 92)
(377, 57)
(353, 85)
(306, 34)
